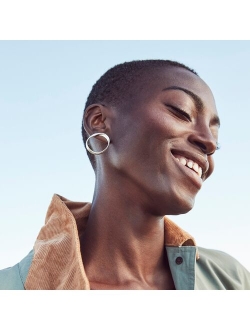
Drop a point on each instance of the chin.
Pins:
(181, 204)
(173, 206)
(181, 208)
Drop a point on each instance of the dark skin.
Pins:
(139, 178)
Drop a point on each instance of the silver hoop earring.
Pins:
(97, 152)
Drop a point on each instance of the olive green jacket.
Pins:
(55, 261)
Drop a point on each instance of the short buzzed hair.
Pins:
(116, 85)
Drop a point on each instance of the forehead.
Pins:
(158, 80)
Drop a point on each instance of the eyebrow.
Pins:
(197, 100)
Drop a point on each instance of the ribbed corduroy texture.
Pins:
(57, 262)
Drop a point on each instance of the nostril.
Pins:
(205, 142)
(202, 146)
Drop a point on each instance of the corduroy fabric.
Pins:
(175, 236)
(57, 262)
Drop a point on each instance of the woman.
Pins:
(151, 129)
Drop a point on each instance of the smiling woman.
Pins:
(151, 129)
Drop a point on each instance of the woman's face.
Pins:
(163, 142)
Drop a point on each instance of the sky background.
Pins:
(43, 89)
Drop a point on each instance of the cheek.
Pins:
(164, 126)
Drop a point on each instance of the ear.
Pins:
(95, 119)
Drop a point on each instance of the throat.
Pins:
(124, 251)
(127, 279)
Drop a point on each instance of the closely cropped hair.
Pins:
(116, 85)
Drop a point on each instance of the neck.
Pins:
(122, 243)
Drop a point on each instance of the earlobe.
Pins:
(94, 135)
(94, 119)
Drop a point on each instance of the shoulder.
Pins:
(219, 270)
(13, 278)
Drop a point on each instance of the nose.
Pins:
(204, 140)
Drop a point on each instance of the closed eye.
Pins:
(180, 113)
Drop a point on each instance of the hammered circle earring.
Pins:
(97, 152)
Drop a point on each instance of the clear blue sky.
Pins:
(44, 85)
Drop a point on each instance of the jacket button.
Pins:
(179, 260)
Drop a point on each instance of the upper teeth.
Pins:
(191, 164)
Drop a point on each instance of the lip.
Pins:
(200, 160)
(195, 157)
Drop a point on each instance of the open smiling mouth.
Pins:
(190, 164)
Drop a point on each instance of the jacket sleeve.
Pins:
(13, 278)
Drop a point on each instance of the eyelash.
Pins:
(185, 114)
(182, 112)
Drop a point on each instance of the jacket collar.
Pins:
(57, 262)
